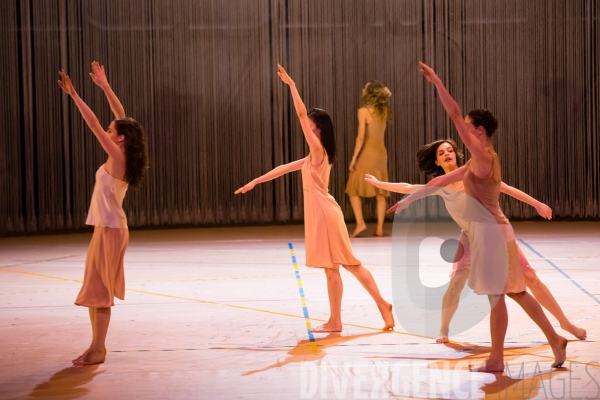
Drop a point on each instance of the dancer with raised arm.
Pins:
(482, 179)
(370, 155)
(104, 279)
(442, 157)
(327, 242)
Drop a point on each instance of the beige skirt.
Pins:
(495, 265)
(104, 277)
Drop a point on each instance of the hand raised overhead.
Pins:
(284, 76)
(65, 83)
(428, 72)
(98, 75)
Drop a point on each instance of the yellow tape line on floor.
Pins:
(276, 313)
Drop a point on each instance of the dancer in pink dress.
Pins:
(104, 278)
(442, 157)
(489, 274)
(326, 236)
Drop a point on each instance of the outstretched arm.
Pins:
(360, 138)
(454, 112)
(314, 143)
(99, 78)
(396, 187)
(542, 209)
(431, 187)
(274, 173)
(88, 115)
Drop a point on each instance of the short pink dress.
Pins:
(326, 235)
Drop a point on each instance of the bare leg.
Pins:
(360, 222)
(97, 352)
(366, 279)
(381, 207)
(543, 295)
(535, 312)
(92, 313)
(450, 302)
(335, 290)
(498, 326)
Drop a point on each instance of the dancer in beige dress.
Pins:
(104, 278)
(370, 155)
(326, 236)
(491, 274)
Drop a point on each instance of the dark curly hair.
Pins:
(427, 156)
(377, 96)
(484, 118)
(136, 151)
(324, 124)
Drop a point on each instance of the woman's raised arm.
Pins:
(99, 78)
(314, 143)
(274, 173)
(111, 148)
(454, 112)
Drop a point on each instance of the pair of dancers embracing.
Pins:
(480, 179)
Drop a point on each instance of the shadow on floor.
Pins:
(67, 383)
(303, 351)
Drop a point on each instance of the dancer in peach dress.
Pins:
(326, 236)
(490, 274)
(104, 278)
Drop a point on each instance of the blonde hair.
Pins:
(377, 96)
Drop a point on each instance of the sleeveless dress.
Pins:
(372, 160)
(104, 277)
(456, 201)
(326, 235)
(495, 262)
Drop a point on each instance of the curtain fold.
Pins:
(200, 75)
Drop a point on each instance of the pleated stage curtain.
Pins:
(200, 75)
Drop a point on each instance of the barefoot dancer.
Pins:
(104, 279)
(481, 177)
(370, 155)
(326, 236)
(442, 157)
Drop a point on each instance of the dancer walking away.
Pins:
(482, 178)
(327, 242)
(104, 278)
(370, 155)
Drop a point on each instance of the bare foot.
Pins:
(576, 331)
(487, 366)
(442, 340)
(81, 356)
(560, 352)
(379, 233)
(388, 317)
(328, 327)
(359, 228)
(91, 358)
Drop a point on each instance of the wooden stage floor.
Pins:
(217, 314)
